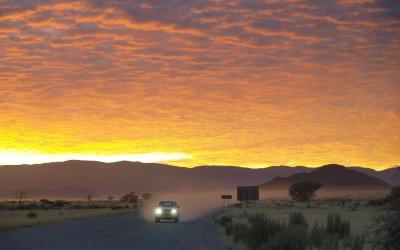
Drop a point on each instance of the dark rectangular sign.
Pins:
(248, 193)
(226, 196)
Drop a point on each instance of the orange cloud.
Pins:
(224, 82)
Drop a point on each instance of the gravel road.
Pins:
(129, 231)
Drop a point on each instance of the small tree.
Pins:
(89, 197)
(147, 196)
(131, 198)
(20, 194)
(110, 198)
(304, 191)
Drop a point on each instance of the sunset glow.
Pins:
(248, 83)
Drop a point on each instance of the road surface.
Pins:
(129, 231)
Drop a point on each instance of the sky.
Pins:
(195, 82)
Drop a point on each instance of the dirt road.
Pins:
(128, 231)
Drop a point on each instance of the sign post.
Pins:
(226, 197)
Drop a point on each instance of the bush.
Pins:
(355, 242)
(262, 232)
(45, 201)
(228, 229)
(316, 236)
(224, 220)
(61, 203)
(130, 198)
(394, 198)
(331, 242)
(116, 207)
(335, 225)
(262, 229)
(289, 238)
(31, 215)
(240, 232)
(29, 206)
(95, 206)
(76, 206)
(386, 231)
(298, 219)
(376, 202)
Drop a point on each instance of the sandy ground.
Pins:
(15, 219)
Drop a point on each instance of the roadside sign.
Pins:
(248, 193)
(226, 196)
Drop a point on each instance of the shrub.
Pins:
(298, 219)
(335, 225)
(262, 229)
(331, 242)
(316, 236)
(228, 229)
(76, 206)
(224, 220)
(31, 215)
(61, 203)
(45, 201)
(240, 232)
(394, 198)
(116, 207)
(130, 198)
(386, 231)
(262, 232)
(95, 206)
(29, 206)
(289, 238)
(355, 242)
(376, 202)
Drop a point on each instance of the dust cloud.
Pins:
(193, 205)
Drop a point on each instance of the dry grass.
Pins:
(356, 211)
(12, 219)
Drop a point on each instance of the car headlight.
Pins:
(158, 211)
(173, 211)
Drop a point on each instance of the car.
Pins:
(166, 210)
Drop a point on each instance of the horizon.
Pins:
(201, 165)
(247, 83)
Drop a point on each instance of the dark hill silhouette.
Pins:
(334, 178)
(64, 179)
(75, 179)
(391, 175)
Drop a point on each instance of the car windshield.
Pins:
(167, 203)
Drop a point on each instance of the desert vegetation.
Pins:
(304, 191)
(22, 212)
(385, 229)
(262, 232)
(331, 223)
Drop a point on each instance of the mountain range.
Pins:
(75, 179)
(335, 179)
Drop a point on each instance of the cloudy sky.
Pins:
(189, 82)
